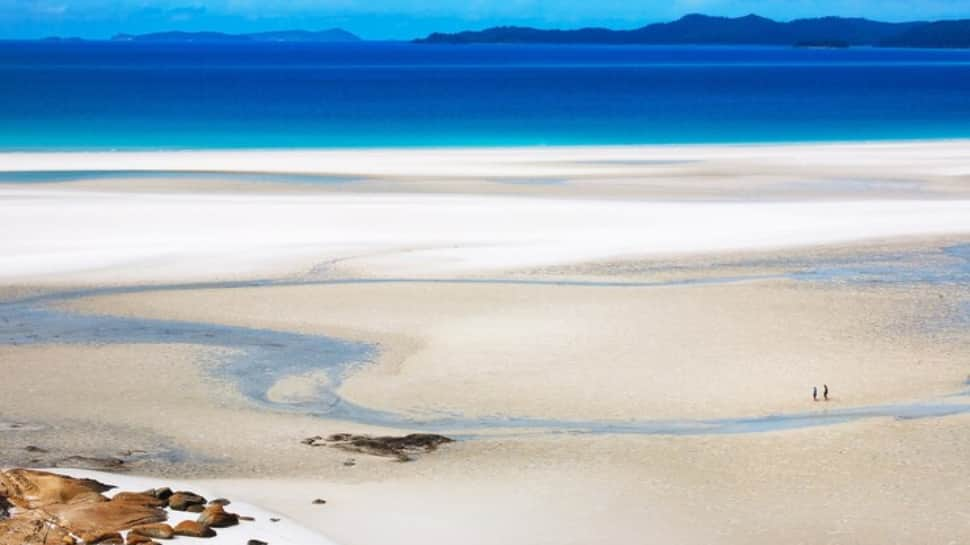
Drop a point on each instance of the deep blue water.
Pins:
(125, 95)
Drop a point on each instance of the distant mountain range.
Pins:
(330, 35)
(747, 30)
(694, 29)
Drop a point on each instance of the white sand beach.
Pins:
(62, 234)
(555, 290)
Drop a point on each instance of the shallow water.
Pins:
(60, 176)
(952, 267)
(262, 357)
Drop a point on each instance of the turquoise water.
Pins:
(103, 95)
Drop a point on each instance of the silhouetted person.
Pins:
(814, 393)
(825, 391)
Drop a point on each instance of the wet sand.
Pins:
(764, 271)
(705, 351)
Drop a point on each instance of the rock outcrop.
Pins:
(40, 508)
(91, 519)
(32, 528)
(401, 448)
(29, 489)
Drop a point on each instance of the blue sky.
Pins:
(401, 19)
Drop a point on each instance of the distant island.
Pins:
(693, 29)
(697, 29)
(329, 35)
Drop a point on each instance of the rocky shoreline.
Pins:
(42, 508)
(39, 507)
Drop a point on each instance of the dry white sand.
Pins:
(608, 205)
(63, 235)
(923, 158)
(871, 483)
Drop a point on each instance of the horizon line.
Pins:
(113, 35)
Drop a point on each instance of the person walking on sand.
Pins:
(825, 391)
(814, 393)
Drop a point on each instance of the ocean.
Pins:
(108, 95)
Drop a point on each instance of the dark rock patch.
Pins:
(401, 448)
(186, 501)
(161, 493)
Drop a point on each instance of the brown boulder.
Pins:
(216, 516)
(137, 539)
(90, 519)
(156, 531)
(161, 493)
(192, 528)
(29, 489)
(181, 501)
(139, 498)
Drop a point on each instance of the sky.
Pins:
(406, 19)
